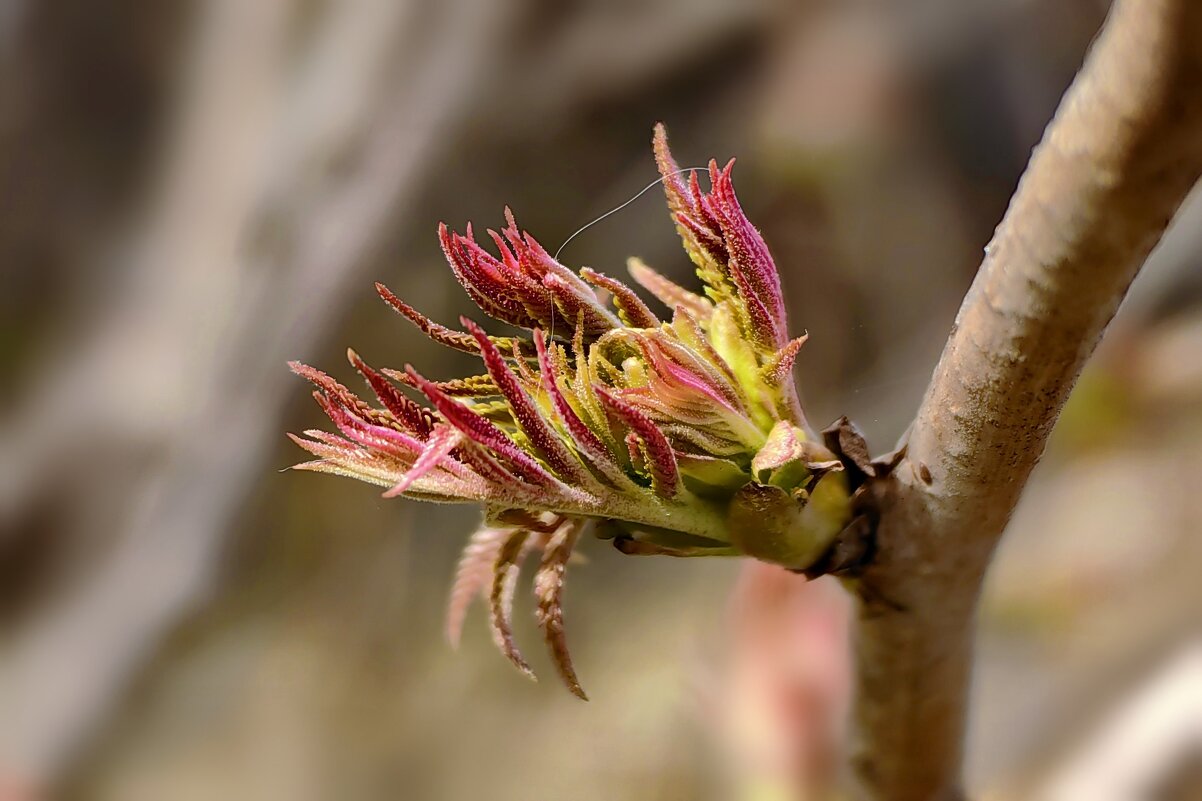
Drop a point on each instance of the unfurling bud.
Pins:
(681, 436)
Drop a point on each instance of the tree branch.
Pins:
(1120, 156)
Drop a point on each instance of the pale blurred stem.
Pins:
(1121, 154)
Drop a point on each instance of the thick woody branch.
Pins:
(1121, 154)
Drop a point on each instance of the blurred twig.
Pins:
(236, 268)
(1156, 730)
(1120, 156)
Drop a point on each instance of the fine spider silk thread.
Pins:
(596, 220)
(616, 209)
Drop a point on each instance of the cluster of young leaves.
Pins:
(678, 435)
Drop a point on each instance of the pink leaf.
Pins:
(473, 576)
(442, 441)
(669, 293)
(631, 306)
(439, 333)
(548, 589)
(528, 416)
(660, 460)
(410, 414)
(483, 432)
(500, 600)
(585, 440)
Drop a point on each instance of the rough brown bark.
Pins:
(1120, 156)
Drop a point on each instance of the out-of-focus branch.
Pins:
(1118, 159)
(245, 260)
(782, 693)
(1151, 741)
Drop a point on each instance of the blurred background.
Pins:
(192, 193)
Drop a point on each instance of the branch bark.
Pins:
(1118, 159)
